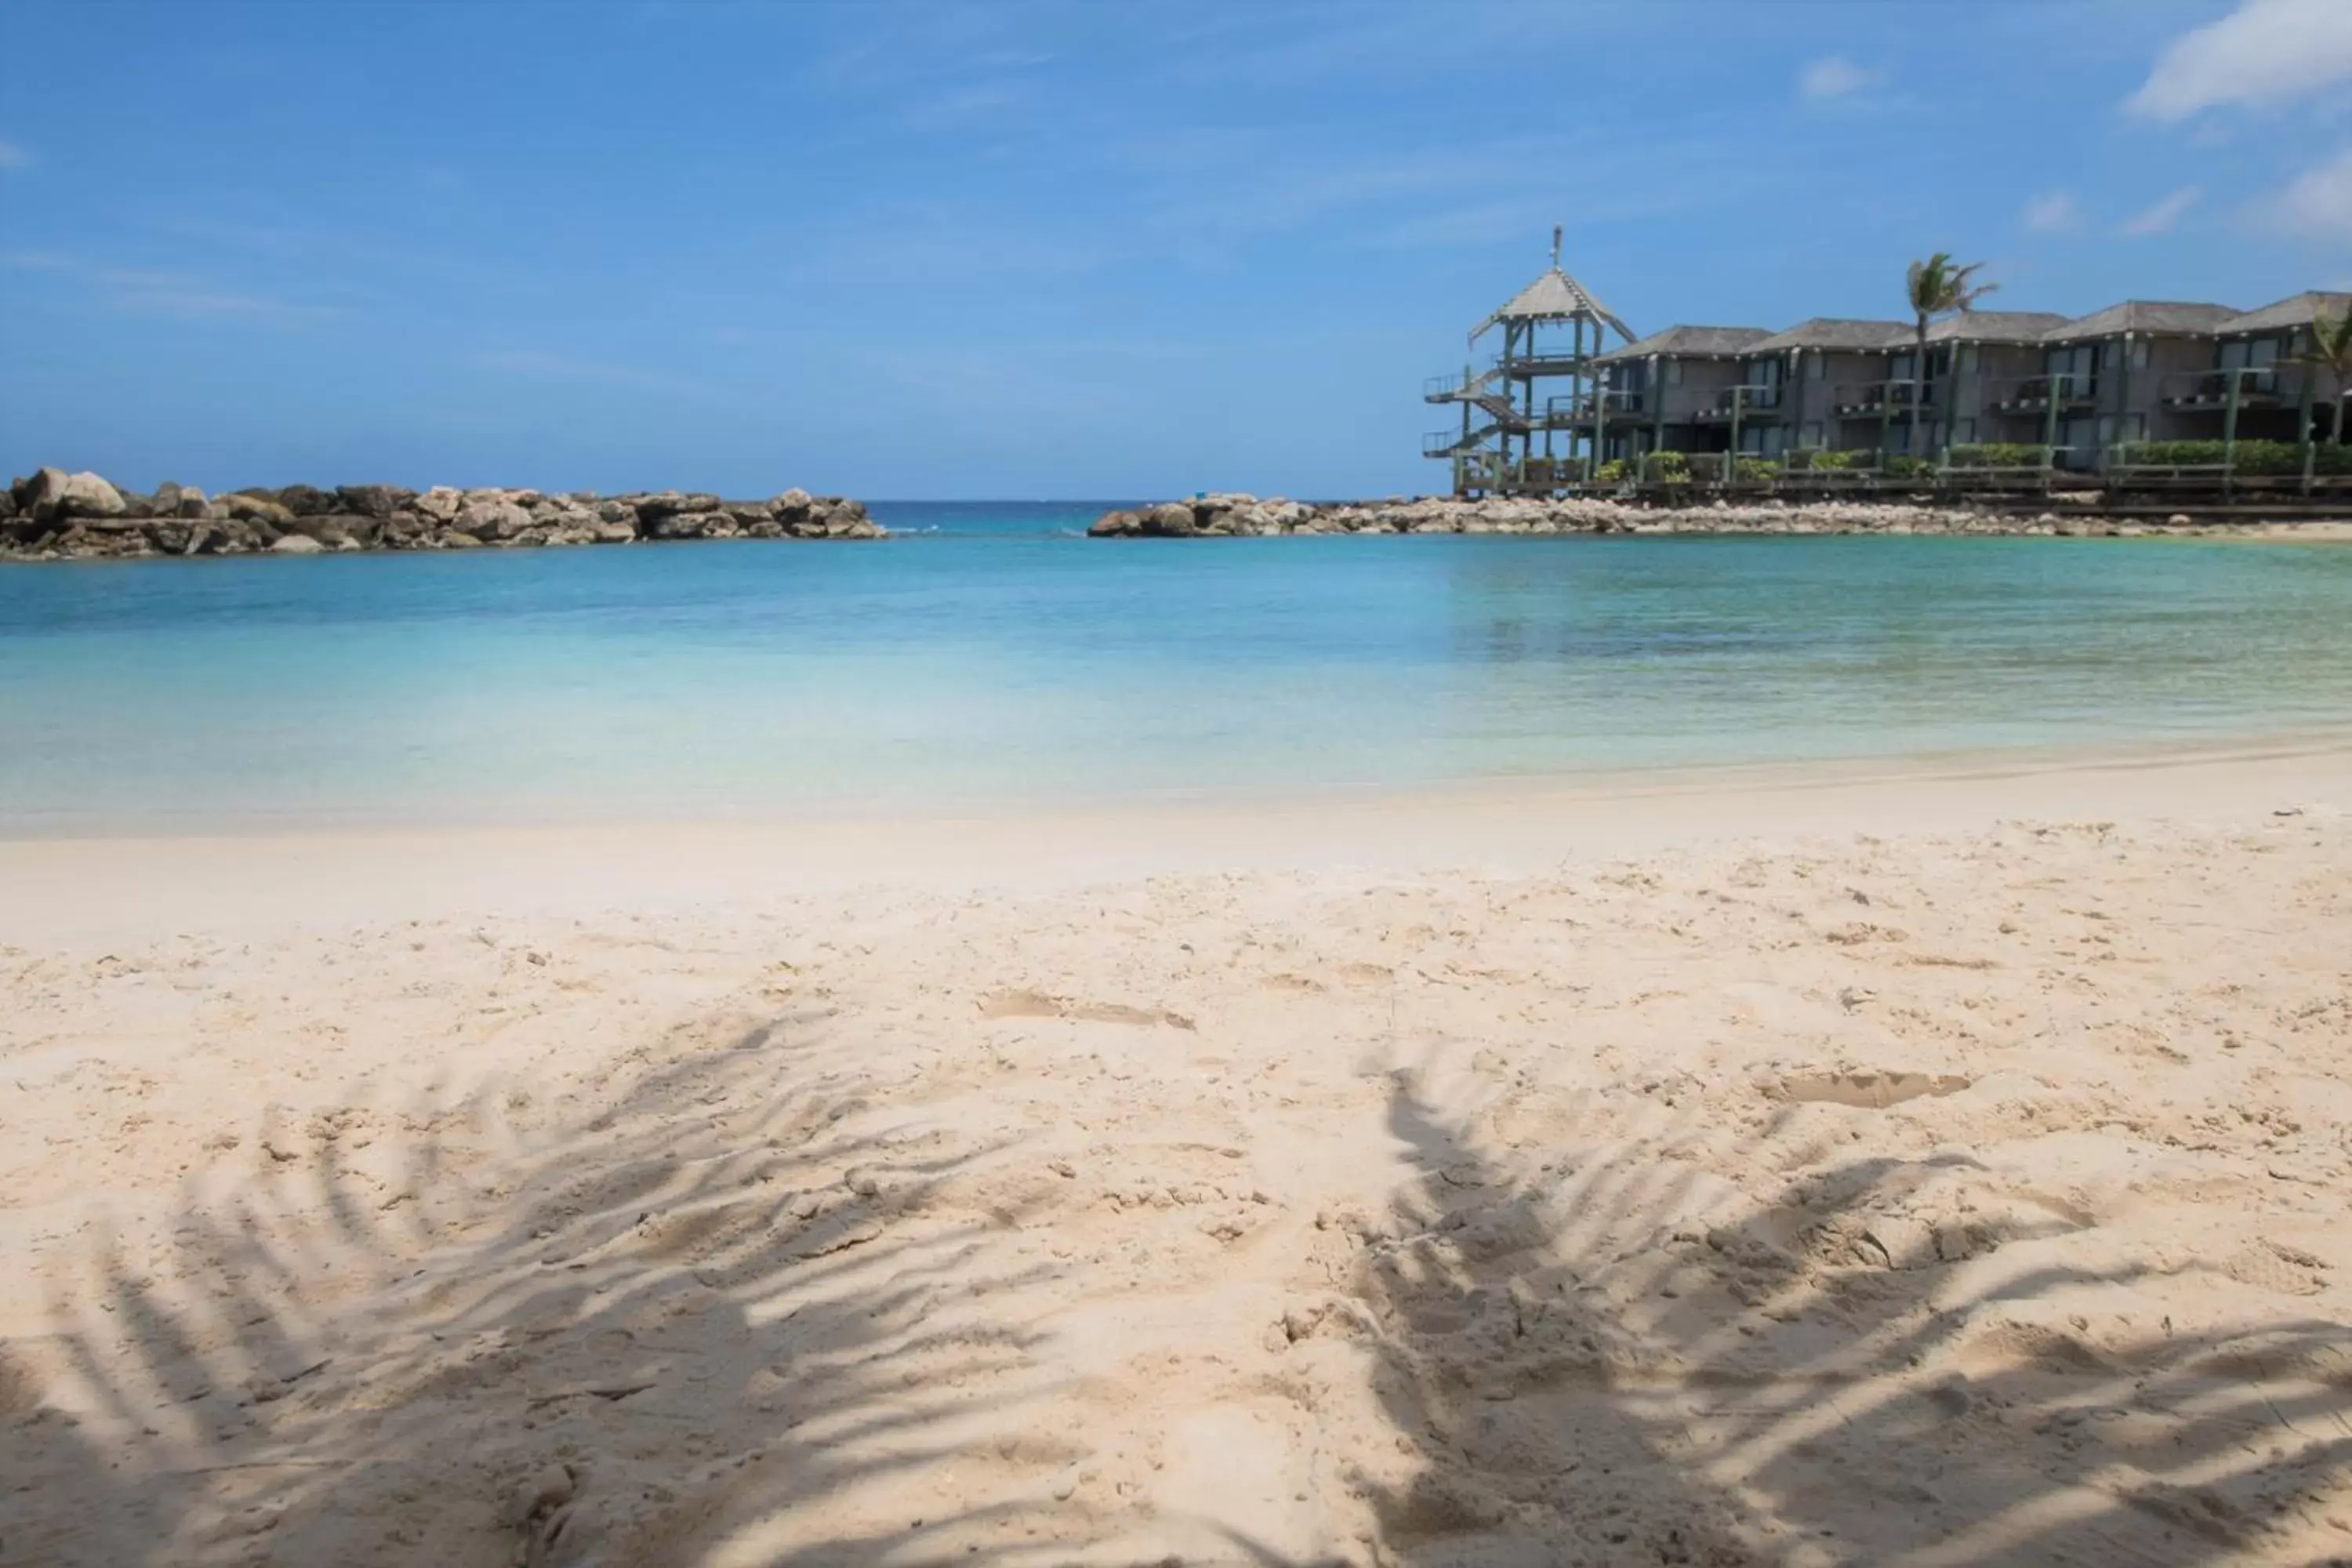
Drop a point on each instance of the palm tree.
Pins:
(1938, 288)
(2331, 350)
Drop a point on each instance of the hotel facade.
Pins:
(1555, 400)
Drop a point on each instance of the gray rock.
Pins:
(297, 544)
(306, 501)
(669, 503)
(248, 507)
(689, 525)
(490, 520)
(1171, 519)
(439, 505)
(378, 501)
(52, 494)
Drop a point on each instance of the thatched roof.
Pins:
(1995, 327)
(2295, 313)
(2151, 317)
(1554, 297)
(1834, 333)
(1690, 342)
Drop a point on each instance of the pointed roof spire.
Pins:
(1554, 297)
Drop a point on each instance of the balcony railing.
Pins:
(2259, 386)
(1878, 399)
(2034, 393)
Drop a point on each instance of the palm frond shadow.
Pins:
(1784, 1390)
(731, 1238)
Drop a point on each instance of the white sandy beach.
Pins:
(1861, 1164)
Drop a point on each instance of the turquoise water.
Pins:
(992, 656)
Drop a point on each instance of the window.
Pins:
(2078, 363)
(1674, 373)
(1967, 359)
(1816, 366)
(2139, 353)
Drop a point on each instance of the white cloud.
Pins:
(2316, 202)
(1833, 76)
(181, 295)
(2056, 212)
(2160, 218)
(12, 156)
(2266, 52)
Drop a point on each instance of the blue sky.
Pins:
(1061, 248)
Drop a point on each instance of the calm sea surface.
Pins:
(991, 654)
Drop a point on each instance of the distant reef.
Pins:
(57, 516)
(1215, 516)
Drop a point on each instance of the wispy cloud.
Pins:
(2054, 212)
(180, 295)
(2317, 202)
(2266, 53)
(1833, 77)
(564, 367)
(12, 156)
(2166, 212)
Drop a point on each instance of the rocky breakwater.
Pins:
(57, 516)
(1232, 515)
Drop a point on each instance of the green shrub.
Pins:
(1666, 468)
(1900, 466)
(1755, 470)
(1809, 460)
(1611, 472)
(1998, 455)
(2252, 458)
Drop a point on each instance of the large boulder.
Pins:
(491, 520)
(297, 544)
(246, 506)
(378, 501)
(307, 501)
(338, 531)
(1171, 520)
(691, 525)
(52, 494)
(1115, 525)
(440, 505)
(669, 503)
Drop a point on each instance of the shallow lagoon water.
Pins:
(990, 656)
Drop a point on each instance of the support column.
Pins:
(2229, 432)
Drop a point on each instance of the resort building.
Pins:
(1554, 403)
(1658, 391)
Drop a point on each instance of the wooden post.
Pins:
(2123, 393)
(1599, 409)
(2305, 405)
(1793, 397)
(1731, 458)
(1657, 405)
(2229, 432)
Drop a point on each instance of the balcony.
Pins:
(1753, 402)
(1881, 399)
(2265, 386)
(2035, 394)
